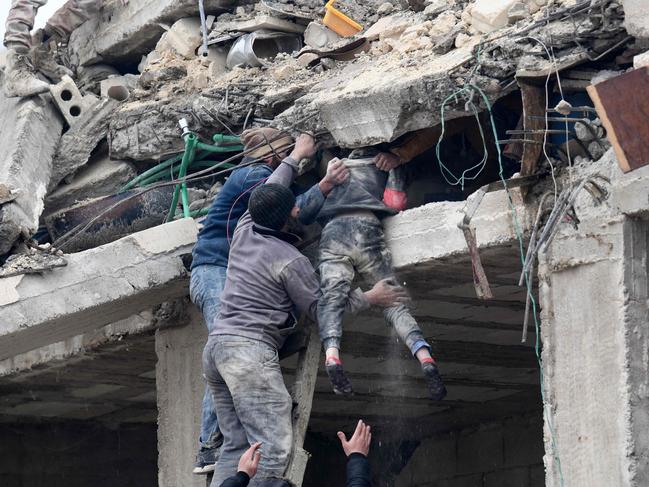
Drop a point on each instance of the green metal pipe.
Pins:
(181, 189)
(147, 176)
(150, 172)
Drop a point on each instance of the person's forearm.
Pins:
(358, 471)
(325, 187)
(285, 174)
(310, 203)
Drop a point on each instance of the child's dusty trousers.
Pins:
(351, 244)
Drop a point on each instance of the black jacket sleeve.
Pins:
(241, 479)
(358, 471)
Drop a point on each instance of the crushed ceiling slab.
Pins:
(97, 287)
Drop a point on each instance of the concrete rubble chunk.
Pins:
(97, 287)
(489, 15)
(318, 36)
(124, 34)
(100, 177)
(641, 60)
(118, 87)
(80, 140)
(636, 20)
(29, 132)
(386, 27)
(267, 22)
(183, 37)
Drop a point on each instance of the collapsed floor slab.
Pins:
(98, 287)
(123, 34)
(29, 133)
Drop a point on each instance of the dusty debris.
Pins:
(109, 219)
(33, 261)
(101, 176)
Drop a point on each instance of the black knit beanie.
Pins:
(270, 205)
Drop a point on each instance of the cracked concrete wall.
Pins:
(595, 330)
(179, 384)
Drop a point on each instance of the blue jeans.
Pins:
(205, 287)
(253, 405)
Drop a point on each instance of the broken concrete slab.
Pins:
(184, 37)
(266, 22)
(318, 36)
(124, 34)
(366, 105)
(489, 15)
(101, 176)
(80, 140)
(97, 287)
(29, 132)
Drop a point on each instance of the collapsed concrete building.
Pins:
(546, 364)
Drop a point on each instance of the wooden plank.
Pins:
(622, 104)
(303, 390)
(533, 97)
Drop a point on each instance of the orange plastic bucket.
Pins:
(339, 22)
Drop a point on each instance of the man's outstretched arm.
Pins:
(358, 468)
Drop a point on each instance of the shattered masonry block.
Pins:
(184, 37)
(489, 15)
(100, 177)
(318, 36)
(132, 31)
(118, 87)
(71, 103)
(80, 140)
(97, 287)
(30, 129)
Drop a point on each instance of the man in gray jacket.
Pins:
(268, 284)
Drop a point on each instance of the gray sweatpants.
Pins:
(252, 404)
(22, 13)
(351, 244)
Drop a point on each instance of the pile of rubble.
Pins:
(142, 67)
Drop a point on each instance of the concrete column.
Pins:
(595, 330)
(179, 384)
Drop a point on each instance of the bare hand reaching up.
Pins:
(360, 440)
